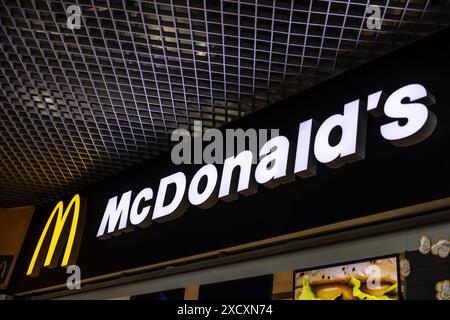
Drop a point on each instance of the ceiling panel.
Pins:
(79, 105)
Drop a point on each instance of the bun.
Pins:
(333, 291)
(343, 274)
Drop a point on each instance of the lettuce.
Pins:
(307, 293)
(364, 296)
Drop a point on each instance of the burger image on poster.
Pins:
(371, 280)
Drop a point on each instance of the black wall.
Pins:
(255, 288)
(426, 271)
(175, 294)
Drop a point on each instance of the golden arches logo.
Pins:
(62, 235)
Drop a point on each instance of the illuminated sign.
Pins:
(370, 121)
(338, 140)
(65, 227)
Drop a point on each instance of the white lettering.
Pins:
(273, 165)
(142, 218)
(339, 139)
(420, 122)
(208, 197)
(227, 185)
(350, 147)
(177, 206)
(113, 213)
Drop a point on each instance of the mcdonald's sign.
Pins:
(64, 229)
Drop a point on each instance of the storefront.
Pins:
(359, 192)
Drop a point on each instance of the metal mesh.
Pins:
(78, 105)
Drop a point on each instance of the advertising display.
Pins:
(375, 279)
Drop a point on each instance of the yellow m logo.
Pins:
(62, 235)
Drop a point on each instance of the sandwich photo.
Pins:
(370, 280)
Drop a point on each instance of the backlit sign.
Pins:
(66, 228)
(340, 139)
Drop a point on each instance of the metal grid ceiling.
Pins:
(79, 105)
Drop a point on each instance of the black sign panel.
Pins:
(427, 271)
(389, 177)
(255, 288)
(5, 265)
(175, 294)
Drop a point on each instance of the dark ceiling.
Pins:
(78, 105)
